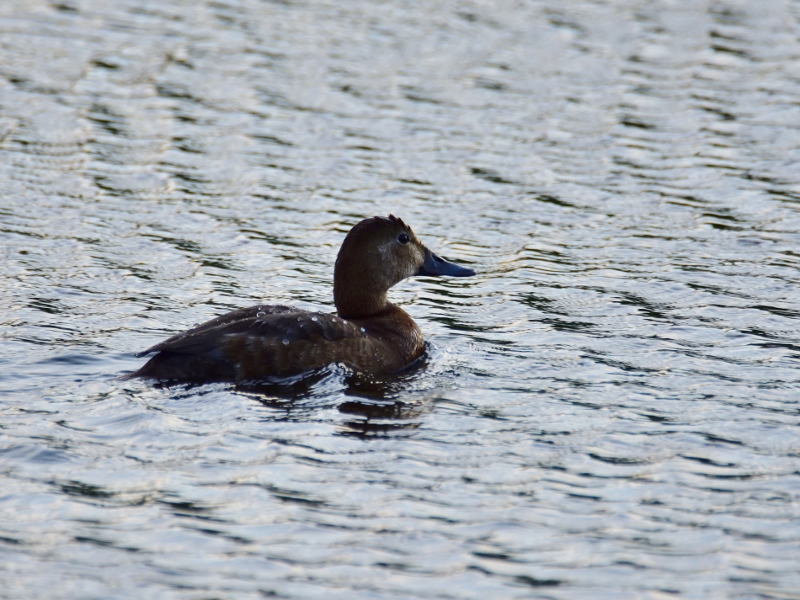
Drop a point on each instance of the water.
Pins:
(609, 409)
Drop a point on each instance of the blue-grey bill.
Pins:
(435, 265)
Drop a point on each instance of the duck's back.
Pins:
(262, 341)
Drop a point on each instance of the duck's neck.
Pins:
(359, 302)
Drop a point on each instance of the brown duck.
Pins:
(368, 333)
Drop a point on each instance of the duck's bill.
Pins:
(435, 265)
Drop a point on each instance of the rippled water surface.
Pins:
(609, 409)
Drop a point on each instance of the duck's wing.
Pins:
(272, 325)
(201, 338)
(294, 342)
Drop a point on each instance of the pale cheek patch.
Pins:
(419, 258)
(410, 263)
(407, 267)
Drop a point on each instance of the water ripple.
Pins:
(608, 409)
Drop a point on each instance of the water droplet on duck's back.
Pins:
(285, 342)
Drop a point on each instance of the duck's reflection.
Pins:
(375, 406)
(377, 420)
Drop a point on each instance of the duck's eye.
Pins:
(403, 238)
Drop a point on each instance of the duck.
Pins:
(367, 333)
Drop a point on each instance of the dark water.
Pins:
(609, 410)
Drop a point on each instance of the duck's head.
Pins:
(376, 254)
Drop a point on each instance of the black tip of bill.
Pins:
(435, 266)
